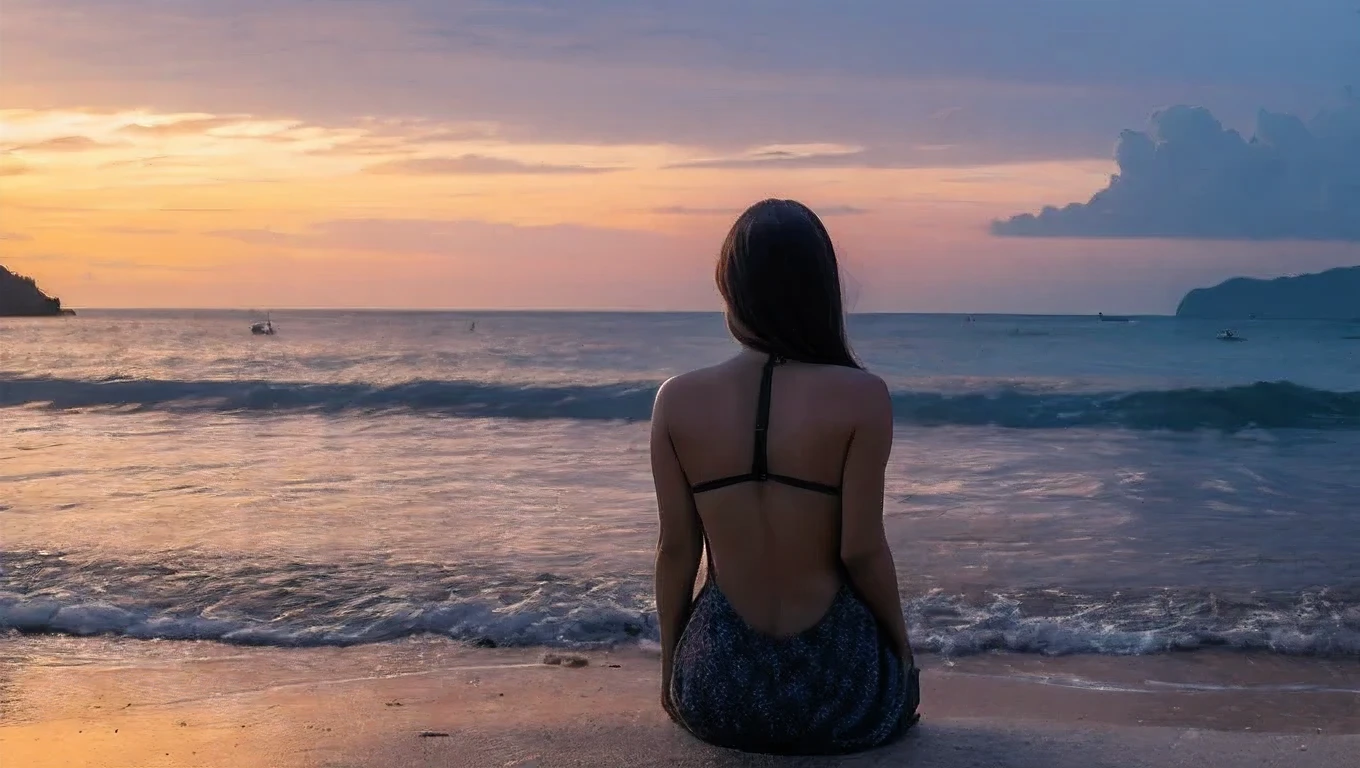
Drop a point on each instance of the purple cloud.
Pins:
(1023, 84)
(1189, 177)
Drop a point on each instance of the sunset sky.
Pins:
(591, 154)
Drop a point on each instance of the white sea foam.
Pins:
(333, 606)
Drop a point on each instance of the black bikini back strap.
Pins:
(760, 460)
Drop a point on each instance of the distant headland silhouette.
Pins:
(1330, 295)
(21, 297)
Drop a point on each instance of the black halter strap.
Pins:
(760, 459)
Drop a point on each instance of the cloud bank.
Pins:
(187, 126)
(61, 144)
(823, 211)
(1188, 177)
(993, 80)
(478, 165)
(459, 238)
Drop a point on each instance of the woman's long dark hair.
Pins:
(779, 276)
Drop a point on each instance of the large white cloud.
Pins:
(1189, 177)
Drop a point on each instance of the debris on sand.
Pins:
(565, 660)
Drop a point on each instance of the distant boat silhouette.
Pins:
(1228, 335)
(1104, 318)
(263, 329)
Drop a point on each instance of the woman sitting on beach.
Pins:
(796, 643)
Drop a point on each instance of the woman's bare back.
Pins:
(775, 548)
(797, 643)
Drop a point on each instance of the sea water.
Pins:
(1058, 484)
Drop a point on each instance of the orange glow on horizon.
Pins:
(112, 207)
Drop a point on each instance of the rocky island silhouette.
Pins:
(21, 297)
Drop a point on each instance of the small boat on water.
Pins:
(1104, 318)
(263, 329)
(1228, 335)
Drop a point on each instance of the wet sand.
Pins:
(125, 704)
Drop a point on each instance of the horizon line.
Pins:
(584, 310)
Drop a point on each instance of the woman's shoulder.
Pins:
(856, 379)
(690, 384)
(865, 394)
(837, 382)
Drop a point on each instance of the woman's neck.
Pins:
(750, 353)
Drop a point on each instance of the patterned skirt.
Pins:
(837, 687)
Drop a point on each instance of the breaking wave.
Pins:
(1263, 405)
(188, 596)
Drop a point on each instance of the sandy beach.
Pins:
(126, 704)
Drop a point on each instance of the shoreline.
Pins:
(103, 703)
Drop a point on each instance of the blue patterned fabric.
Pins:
(834, 688)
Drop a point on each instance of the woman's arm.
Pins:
(679, 545)
(864, 547)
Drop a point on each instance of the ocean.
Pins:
(1059, 485)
